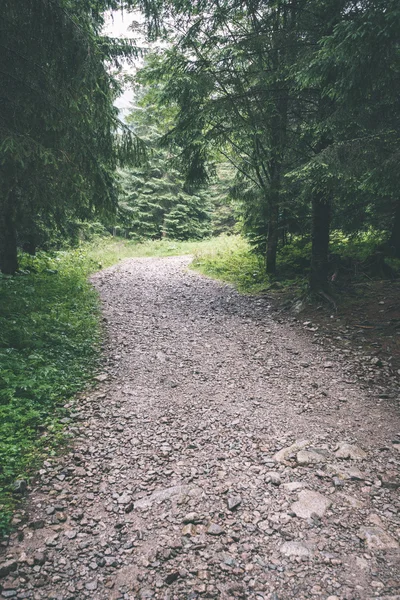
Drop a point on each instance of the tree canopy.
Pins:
(60, 136)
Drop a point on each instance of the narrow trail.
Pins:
(173, 488)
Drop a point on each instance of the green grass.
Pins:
(230, 259)
(109, 252)
(49, 347)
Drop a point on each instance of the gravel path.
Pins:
(223, 456)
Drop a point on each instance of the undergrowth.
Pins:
(230, 259)
(49, 346)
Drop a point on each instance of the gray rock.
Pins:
(293, 486)
(344, 473)
(39, 558)
(390, 480)
(296, 549)
(9, 593)
(38, 524)
(165, 494)
(273, 477)
(214, 529)
(375, 538)
(146, 593)
(286, 453)
(191, 518)
(312, 456)
(7, 567)
(310, 503)
(124, 499)
(91, 585)
(70, 534)
(346, 451)
(234, 502)
(102, 377)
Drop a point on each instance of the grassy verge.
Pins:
(230, 259)
(49, 346)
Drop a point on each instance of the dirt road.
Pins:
(223, 456)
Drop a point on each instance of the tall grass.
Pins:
(230, 259)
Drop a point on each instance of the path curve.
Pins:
(173, 489)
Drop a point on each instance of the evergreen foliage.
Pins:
(155, 201)
(60, 136)
(301, 98)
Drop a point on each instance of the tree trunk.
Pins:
(29, 245)
(8, 245)
(394, 241)
(273, 235)
(321, 217)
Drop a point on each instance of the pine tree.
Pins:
(60, 137)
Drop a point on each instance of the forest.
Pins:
(297, 102)
(274, 124)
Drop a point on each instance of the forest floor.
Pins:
(225, 454)
(363, 324)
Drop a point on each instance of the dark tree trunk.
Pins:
(273, 236)
(394, 241)
(8, 244)
(29, 245)
(321, 217)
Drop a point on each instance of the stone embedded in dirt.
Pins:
(146, 593)
(191, 518)
(7, 567)
(9, 593)
(286, 453)
(37, 524)
(172, 577)
(91, 585)
(375, 538)
(390, 480)
(312, 456)
(124, 499)
(310, 503)
(165, 494)
(129, 507)
(234, 502)
(189, 530)
(273, 477)
(353, 502)
(214, 529)
(344, 473)
(70, 534)
(52, 540)
(39, 558)
(350, 451)
(293, 486)
(296, 549)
